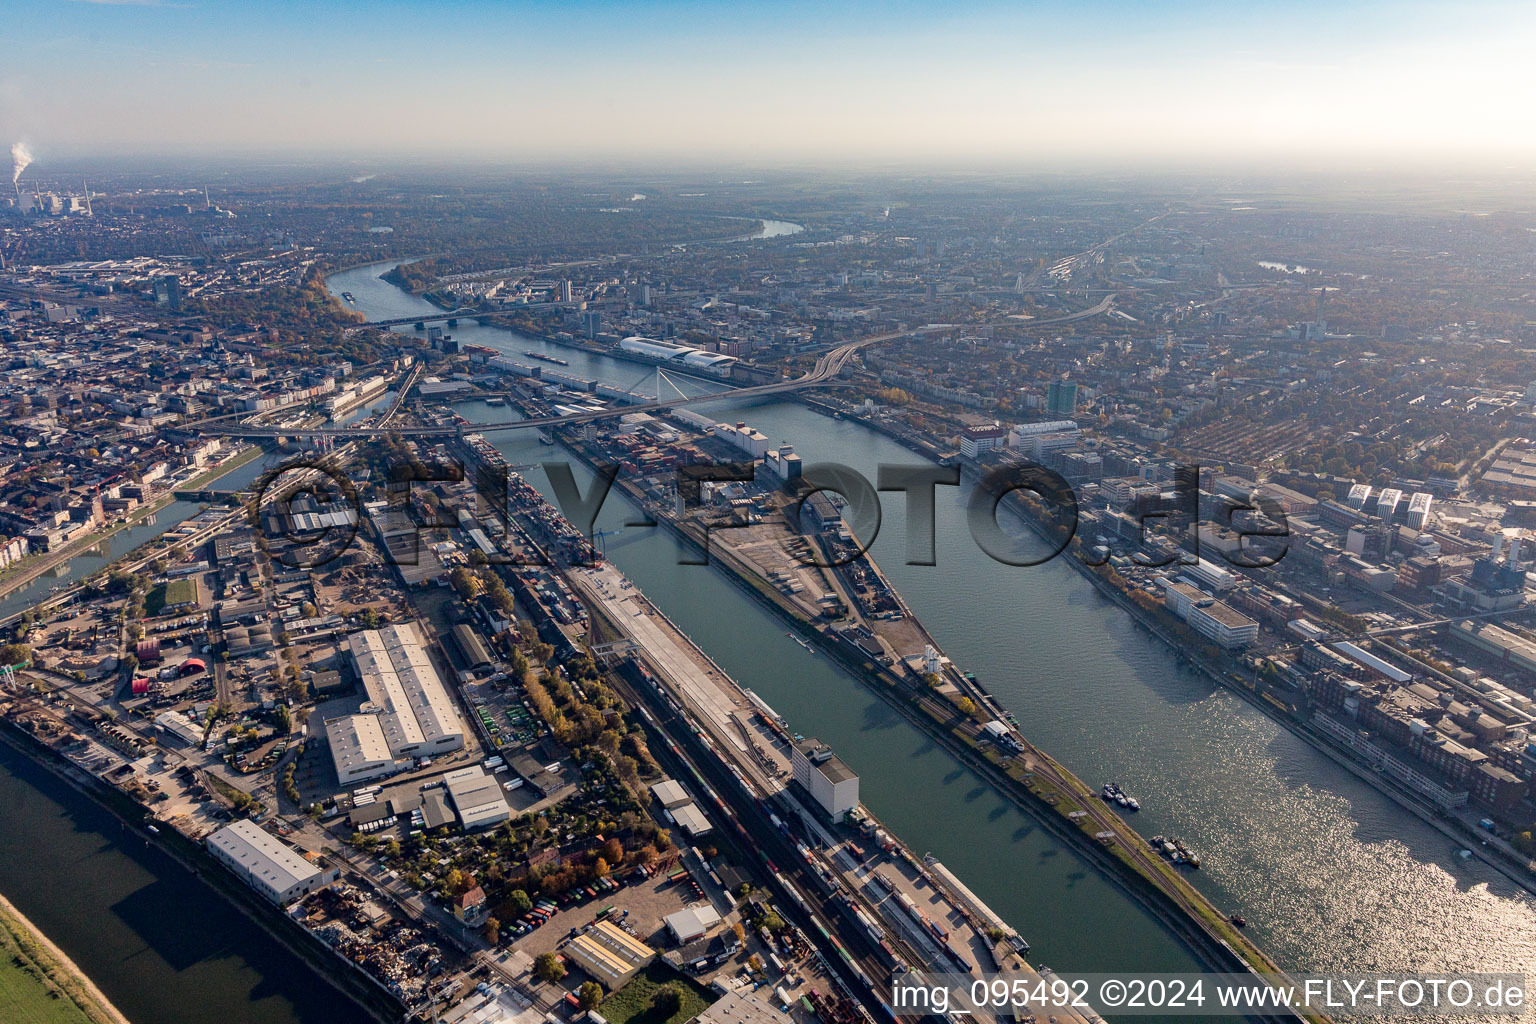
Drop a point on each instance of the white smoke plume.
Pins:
(21, 156)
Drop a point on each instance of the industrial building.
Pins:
(781, 465)
(692, 923)
(670, 793)
(691, 820)
(476, 657)
(743, 438)
(829, 781)
(742, 1007)
(1209, 617)
(413, 707)
(266, 863)
(975, 440)
(358, 749)
(683, 355)
(609, 954)
(477, 797)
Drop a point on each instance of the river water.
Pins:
(1330, 874)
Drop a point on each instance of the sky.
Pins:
(777, 82)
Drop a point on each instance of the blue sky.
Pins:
(1117, 82)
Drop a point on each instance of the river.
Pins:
(1330, 874)
(158, 941)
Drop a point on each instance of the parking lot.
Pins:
(646, 903)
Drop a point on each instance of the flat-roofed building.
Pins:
(824, 775)
(477, 797)
(609, 954)
(405, 692)
(692, 923)
(358, 748)
(690, 819)
(975, 440)
(1209, 617)
(670, 793)
(742, 1007)
(266, 863)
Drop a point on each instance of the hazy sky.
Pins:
(1292, 80)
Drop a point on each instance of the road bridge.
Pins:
(828, 366)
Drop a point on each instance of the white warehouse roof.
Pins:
(414, 708)
(268, 863)
(358, 748)
(477, 797)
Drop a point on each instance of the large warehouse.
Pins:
(414, 709)
(609, 954)
(266, 863)
(823, 774)
(477, 797)
(358, 748)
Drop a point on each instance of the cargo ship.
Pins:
(546, 359)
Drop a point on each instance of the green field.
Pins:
(27, 996)
(632, 1003)
(169, 594)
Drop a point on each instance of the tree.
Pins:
(491, 930)
(966, 706)
(601, 869)
(590, 994)
(520, 901)
(15, 654)
(548, 967)
(613, 851)
(667, 1000)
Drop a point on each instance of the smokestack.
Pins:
(87, 186)
(1498, 545)
(1514, 552)
(21, 156)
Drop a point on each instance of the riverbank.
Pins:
(1106, 699)
(1036, 783)
(360, 991)
(37, 973)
